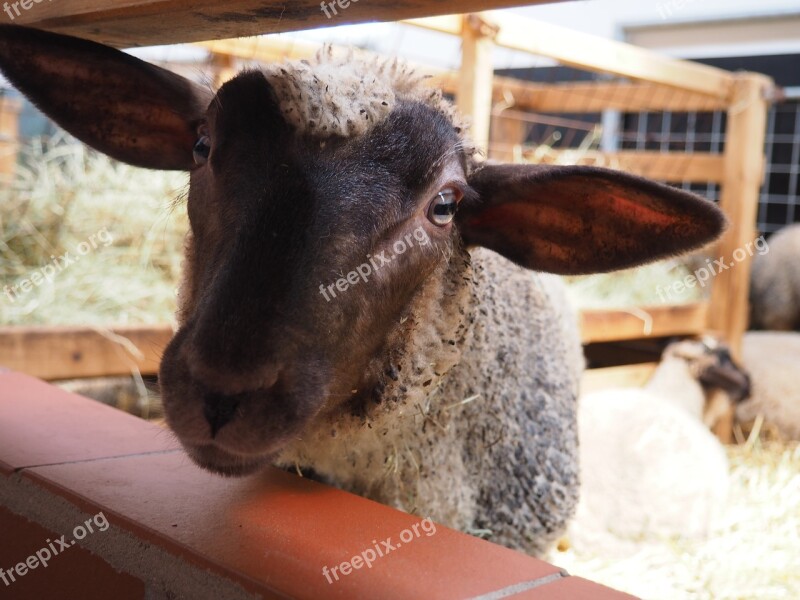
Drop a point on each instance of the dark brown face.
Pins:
(301, 263)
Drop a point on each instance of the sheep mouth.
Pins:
(222, 462)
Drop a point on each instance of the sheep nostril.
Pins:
(219, 410)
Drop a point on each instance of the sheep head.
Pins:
(319, 243)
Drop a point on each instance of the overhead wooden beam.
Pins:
(597, 96)
(594, 53)
(76, 352)
(642, 322)
(126, 23)
(744, 174)
(673, 167)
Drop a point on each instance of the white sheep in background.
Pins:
(650, 468)
(359, 298)
(773, 360)
(775, 283)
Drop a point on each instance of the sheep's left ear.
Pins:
(578, 220)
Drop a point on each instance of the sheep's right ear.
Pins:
(129, 109)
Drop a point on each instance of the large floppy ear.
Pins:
(131, 110)
(579, 220)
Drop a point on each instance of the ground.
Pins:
(754, 553)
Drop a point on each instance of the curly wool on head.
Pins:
(347, 94)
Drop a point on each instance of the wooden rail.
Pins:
(626, 376)
(675, 167)
(77, 352)
(594, 53)
(126, 23)
(599, 96)
(602, 325)
(51, 352)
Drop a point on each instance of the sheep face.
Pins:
(304, 260)
(281, 211)
(710, 362)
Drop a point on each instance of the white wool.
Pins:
(674, 383)
(772, 358)
(346, 95)
(648, 471)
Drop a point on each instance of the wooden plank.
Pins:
(262, 49)
(507, 138)
(594, 53)
(674, 167)
(75, 352)
(9, 137)
(224, 69)
(125, 23)
(626, 376)
(474, 97)
(643, 322)
(578, 97)
(597, 96)
(744, 174)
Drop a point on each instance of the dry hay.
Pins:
(752, 553)
(62, 194)
(642, 286)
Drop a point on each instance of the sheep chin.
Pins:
(221, 462)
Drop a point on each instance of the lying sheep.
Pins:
(650, 468)
(773, 359)
(775, 283)
(332, 315)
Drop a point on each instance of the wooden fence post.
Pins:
(224, 68)
(9, 137)
(475, 86)
(743, 176)
(506, 134)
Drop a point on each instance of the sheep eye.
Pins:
(201, 149)
(443, 207)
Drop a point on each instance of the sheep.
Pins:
(650, 468)
(359, 301)
(772, 359)
(775, 283)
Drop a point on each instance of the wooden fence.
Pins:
(644, 81)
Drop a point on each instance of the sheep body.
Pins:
(772, 359)
(649, 468)
(775, 283)
(453, 453)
